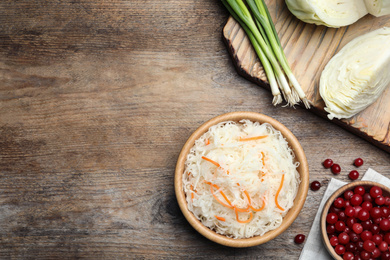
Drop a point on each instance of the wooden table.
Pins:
(96, 100)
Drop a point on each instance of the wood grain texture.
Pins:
(308, 49)
(97, 99)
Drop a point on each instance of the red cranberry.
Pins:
(356, 200)
(350, 222)
(334, 241)
(339, 249)
(340, 226)
(365, 255)
(375, 229)
(330, 229)
(375, 192)
(351, 247)
(357, 228)
(299, 239)
(358, 162)
(376, 253)
(369, 246)
(380, 200)
(359, 246)
(367, 205)
(353, 237)
(386, 237)
(377, 220)
(385, 256)
(367, 197)
(383, 246)
(366, 235)
(385, 224)
(315, 185)
(367, 224)
(349, 211)
(375, 212)
(359, 190)
(348, 256)
(387, 201)
(348, 194)
(363, 215)
(328, 163)
(353, 175)
(385, 212)
(339, 203)
(331, 218)
(342, 216)
(336, 169)
(343, 238)
(377, 239)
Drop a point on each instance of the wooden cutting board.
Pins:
(308, 49)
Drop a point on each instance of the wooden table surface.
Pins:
(96, 100)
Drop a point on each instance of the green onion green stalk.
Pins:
(265, 41)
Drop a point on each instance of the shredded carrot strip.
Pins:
(207, 141)
(261, 208)
(192, 194)
(253, 138)
(213, 162)
(219, 218)
(243, 221)
(262, 158)
(229, 205)
(277, 193)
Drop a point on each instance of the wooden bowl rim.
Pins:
(329, 202)
(299, 201)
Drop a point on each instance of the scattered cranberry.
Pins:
(328, 163)
(299, 239)
(353, 175)
(315, 185)
(336, 169)
(358, 162)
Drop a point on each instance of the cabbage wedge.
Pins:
(357, 75)
(331, 13)
(378, 7)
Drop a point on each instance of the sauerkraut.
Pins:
(241, 178)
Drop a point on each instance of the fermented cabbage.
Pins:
(331, 13)
(357, 75)
(241, 178)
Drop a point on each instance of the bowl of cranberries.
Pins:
(355, 222)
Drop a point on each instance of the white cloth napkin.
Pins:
(314, 247)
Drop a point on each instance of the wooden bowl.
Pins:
(336, 194)
(303, 170)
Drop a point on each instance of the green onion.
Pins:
(263, 36)
(266, 65)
